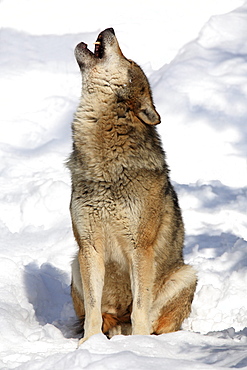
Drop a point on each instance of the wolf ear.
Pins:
(148, 115)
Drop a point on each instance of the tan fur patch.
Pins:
(109, 321)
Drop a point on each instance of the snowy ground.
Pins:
(195, 54)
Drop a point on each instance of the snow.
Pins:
(195, 55)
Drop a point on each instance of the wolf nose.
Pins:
(111, 30)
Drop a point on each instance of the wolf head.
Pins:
(124, 83)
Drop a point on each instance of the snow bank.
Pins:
(197, 68)
(172, 351)
(202, 95)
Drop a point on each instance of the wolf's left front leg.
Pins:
(142, 272)
(92, 274)
(142, 277)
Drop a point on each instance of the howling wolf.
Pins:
(129, 276)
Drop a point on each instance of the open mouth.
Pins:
(98, 49)
(99, 44)
(82, 47)
(103, 39)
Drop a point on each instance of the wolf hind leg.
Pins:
(173, 300)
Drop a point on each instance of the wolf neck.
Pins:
(110, 142)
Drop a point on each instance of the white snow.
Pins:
(195, 55)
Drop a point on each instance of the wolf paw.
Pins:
(82, 340)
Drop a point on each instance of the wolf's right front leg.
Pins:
(92, 275)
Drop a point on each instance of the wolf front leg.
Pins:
(92, 275)
(142, 270)
(142, 276)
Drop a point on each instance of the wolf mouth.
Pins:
(98, 50)
(104, 39)
(99, 44)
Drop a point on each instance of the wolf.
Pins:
(129, 276)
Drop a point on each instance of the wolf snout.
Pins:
(110, 30)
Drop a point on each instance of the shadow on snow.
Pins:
(49, 293)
